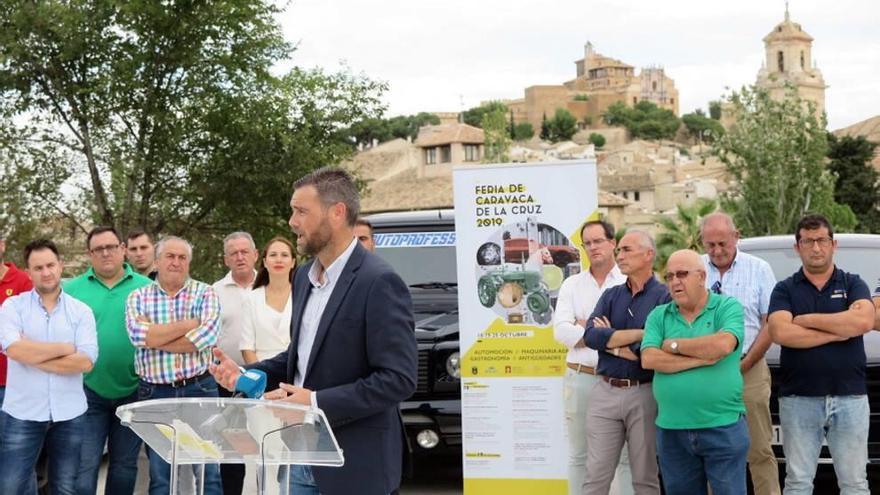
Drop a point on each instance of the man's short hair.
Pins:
(39, 245)
(366, 223)
(645, 239)
(135, 233)
(238, 235)
(607, 228)
(717, 214)
(813, 221)
(161, 245)
(334, 185)
(100, 230)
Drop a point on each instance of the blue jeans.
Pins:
(22, 442)
(843, 422)
(122, 443)
(302, 482)
(160, 471)
(689, 459)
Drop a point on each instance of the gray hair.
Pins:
(720, 215)
(645, 239)
(160, 246)
(238, 235)
(334, 185)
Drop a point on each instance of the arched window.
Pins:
(780, 61)
(802, 60)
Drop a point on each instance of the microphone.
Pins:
(251, 384)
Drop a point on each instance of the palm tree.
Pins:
(681, 231)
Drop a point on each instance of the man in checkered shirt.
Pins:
(173, 324)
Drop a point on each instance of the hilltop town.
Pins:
(639, 179)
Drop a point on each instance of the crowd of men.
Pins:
(136, 326)
(669, 382)
(664, 382)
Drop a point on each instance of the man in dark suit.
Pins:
(353, 350)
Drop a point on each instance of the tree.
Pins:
(597, 139)
(512, 126)
(715, 110)
(857, 182)
(645, 120)
(681, 231)
(523, 131)
(545, 127)
(775, 150)
(497, 139)
(562, 126)
(701, 128)
(166, 116)
(474, 116)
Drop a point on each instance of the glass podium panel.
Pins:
(198, 431)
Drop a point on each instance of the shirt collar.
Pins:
(332, 272)
(228, 280)
(732, 263)
(799, 276)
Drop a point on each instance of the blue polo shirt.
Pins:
(836, 368)
(625, 311)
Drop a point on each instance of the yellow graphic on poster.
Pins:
(517, 240)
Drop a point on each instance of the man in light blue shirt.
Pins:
(750, 280)
(50, 340)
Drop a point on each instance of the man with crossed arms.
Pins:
(622, 407)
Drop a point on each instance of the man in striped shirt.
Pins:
(173, 324)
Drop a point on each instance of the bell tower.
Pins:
(788, 59)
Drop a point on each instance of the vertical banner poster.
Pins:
(517, 238)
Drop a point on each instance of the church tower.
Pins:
(788, 59)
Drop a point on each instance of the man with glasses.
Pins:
(818, 316)
(750, 280)
(622, 408)
(694, 345)
(112, 382)
(240, 255)
(577, 298)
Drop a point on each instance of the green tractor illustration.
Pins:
(509, 287)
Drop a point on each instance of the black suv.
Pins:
(420, 246)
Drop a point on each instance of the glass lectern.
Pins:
(195, 432)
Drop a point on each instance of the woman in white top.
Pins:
(266, 320)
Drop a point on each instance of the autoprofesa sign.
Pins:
(517, 238)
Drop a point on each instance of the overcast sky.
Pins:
(450, 55)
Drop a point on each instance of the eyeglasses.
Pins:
(716, 287)
(822, 242)
(105, 249)
(680, 274)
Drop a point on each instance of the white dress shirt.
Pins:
(577, 299)
(318, 298)
(265, 330)
(232, 299)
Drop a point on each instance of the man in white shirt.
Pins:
(577, 299)
(240, 255)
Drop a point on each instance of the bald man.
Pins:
(694, 344)
(750, 280)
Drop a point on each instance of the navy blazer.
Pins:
(362, 365)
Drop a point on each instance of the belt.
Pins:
(185, 381)
(582, 368)
(623, 382)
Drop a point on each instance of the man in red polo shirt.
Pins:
(12, 282)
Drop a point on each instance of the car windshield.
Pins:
(423, 260)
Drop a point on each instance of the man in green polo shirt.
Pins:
(693, 345)
(112, 382)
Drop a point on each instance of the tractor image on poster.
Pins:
(509, 287)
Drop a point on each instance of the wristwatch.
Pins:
(673, 346)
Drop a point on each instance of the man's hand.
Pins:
(290, 393)
(224, 370)
(143, 319)
(602, 322)
(580, 323)
(626, 353)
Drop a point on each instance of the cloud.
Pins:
(442, 56)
